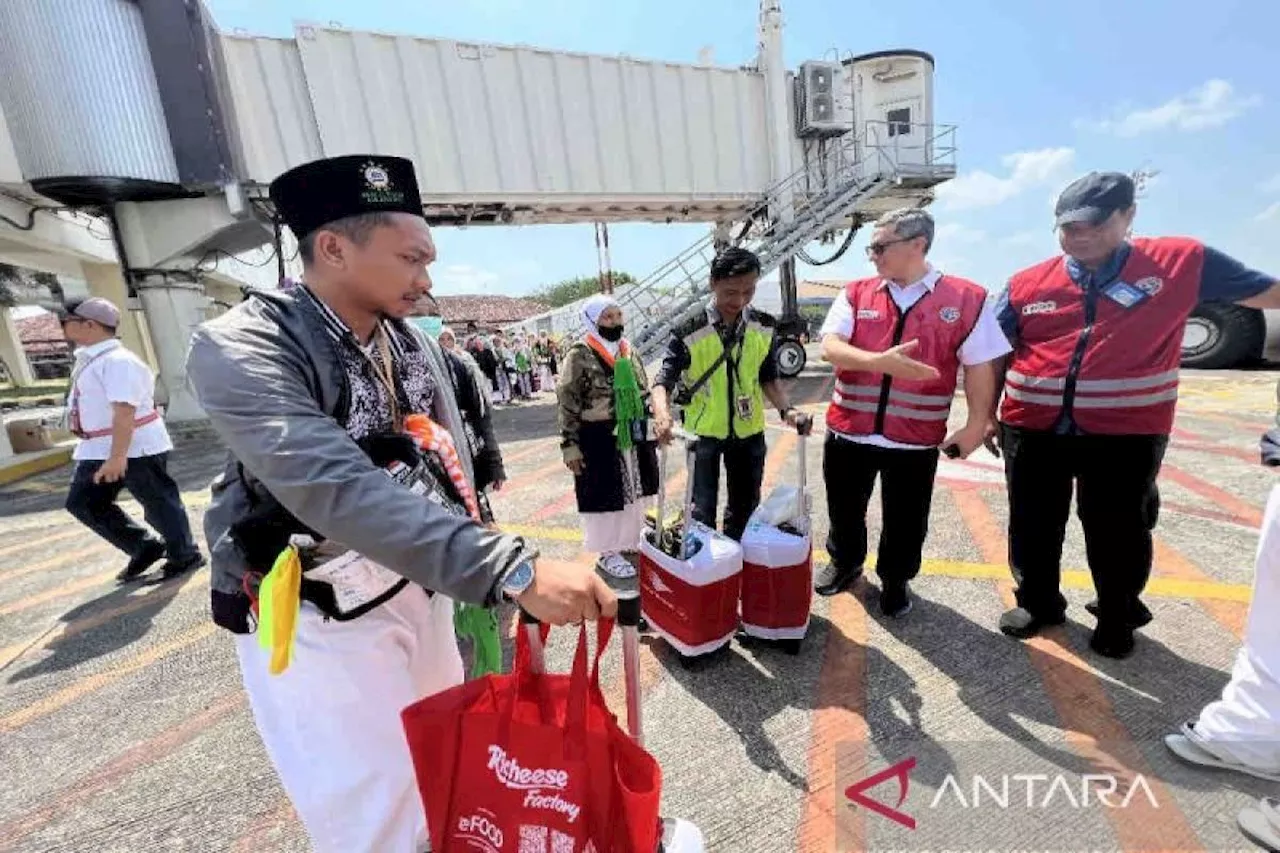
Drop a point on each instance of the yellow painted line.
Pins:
(38, 464)
(1071, 579)
(84, 686)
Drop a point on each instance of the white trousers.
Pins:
(331, 722)
(1244, 725)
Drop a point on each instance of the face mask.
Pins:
(612, 334)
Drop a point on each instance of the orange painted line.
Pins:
(1244, 512)
(838, 730)
(84, 686)
(54, 594)
(42, 540)
(532, 478)
(103, 778)
(1217, 450)
(521, 455)
(257, 835)
(1229, 614)
(57, 562)
(88, 623)
(1087, 717)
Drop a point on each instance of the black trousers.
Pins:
(744, 465)
(906, 495)
(1116, 499)
(147, 479)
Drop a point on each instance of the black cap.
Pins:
(323, 191)
(1094, 198)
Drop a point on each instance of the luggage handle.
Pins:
(629, 622)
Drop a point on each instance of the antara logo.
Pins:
(1039, 308)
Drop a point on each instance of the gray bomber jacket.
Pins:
(270, 380)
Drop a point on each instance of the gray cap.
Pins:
(1094, 198)
(94, 308)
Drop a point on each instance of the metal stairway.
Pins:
(786, 217)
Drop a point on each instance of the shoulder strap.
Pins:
(706, 377)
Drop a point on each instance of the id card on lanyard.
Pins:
(743, 403)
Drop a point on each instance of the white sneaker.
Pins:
(617, 566)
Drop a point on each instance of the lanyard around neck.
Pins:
(384, 372)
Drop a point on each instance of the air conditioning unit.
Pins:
(822, 108)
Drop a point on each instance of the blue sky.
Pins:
(1040, 92)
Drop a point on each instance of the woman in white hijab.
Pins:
(605, 438)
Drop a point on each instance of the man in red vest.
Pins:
(1089, 399)
(898, 342)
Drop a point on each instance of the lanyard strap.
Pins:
(384, 373)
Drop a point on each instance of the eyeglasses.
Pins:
(874, 249)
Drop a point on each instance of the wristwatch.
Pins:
(517, 580)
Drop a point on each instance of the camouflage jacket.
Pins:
(585, 394)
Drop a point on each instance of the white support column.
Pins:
(14, 355)
(777, 109)
(173, 310)
(107, 281)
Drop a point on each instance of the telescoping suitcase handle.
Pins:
(628, 592)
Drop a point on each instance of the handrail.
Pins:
(877, 152)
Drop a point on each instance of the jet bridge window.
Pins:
(899, 121)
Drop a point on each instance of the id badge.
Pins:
(1125, 295)
(745, 408)
(356, 580)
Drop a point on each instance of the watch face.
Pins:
(521, 576)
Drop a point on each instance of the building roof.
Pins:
(41, 333)
(825, 288)
(488, 310)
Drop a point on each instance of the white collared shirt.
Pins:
(108, 373)
(985, 343)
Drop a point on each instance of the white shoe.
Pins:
(616, 565)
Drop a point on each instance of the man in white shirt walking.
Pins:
(898, 342)
(123, 444)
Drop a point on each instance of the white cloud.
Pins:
(1025, 238)
(957, 234)
(1211, 104)
(463, 278)
(1271, 186)
(1027, 169)
(1272, 212)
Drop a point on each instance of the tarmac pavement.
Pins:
(123, 726)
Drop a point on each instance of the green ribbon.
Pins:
(628, 404)
(480, 624)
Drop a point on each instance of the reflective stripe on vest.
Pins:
(711, 410)
(912, 412)
(940, 406)
(1113, 368)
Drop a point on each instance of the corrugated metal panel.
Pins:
(268, 106)
(79, 92)
(516, 122)
(10, 171)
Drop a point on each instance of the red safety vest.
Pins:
(1115, 369)
(911, 412)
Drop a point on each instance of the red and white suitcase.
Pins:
(689, 588)
(678, 836)
(777, 570)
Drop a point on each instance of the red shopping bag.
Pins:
(533, 763)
